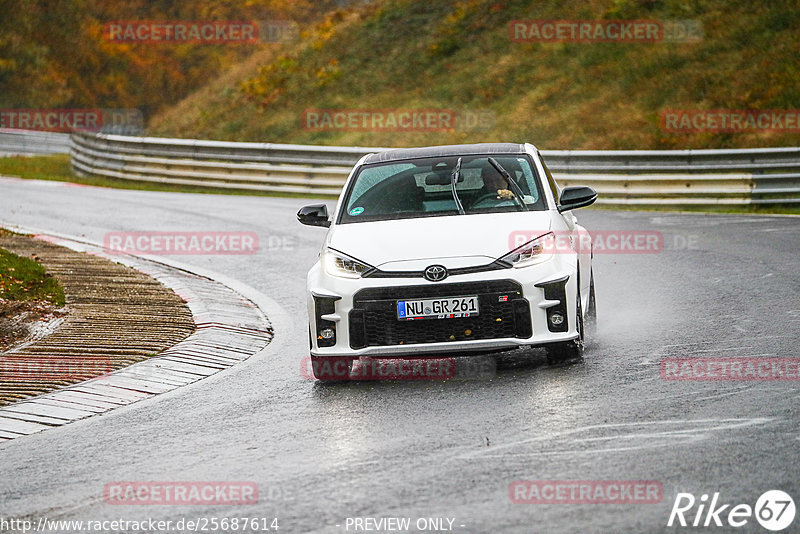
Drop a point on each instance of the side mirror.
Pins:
(316, 215)
(576, 196)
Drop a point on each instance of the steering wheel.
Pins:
(491, 196)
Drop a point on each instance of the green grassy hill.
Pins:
(457, 55)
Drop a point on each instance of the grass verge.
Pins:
(24, 279)
(57, 168)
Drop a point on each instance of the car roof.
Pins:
(398, 154)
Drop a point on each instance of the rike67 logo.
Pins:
(774, 511)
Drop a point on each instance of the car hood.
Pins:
(454, 241)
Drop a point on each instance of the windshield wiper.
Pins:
(511, 183)
(453, 181)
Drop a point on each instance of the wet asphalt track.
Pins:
(322, 453)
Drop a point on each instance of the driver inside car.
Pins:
(494, 183)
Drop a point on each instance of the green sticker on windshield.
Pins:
(357, 211)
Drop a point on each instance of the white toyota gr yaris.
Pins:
(446, 251)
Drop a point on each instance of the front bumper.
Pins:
(361, 312)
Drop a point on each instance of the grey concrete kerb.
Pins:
(232, 325)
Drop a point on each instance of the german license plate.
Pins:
(443, 308)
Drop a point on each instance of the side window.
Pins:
(528, 184)
(550, 180)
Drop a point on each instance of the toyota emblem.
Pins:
(436, 273)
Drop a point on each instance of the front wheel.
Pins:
(331, 369)
(568, 350)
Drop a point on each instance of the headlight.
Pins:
(538, 250)
(339, 264)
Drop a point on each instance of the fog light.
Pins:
(327, 333)
(556, 319)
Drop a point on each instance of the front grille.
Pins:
(373, 320)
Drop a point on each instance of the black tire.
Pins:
(331, 369)
(568, 350)
(590, 320)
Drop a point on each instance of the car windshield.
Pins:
(423, 188)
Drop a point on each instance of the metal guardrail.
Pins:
(26, 142)
(622, 177)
